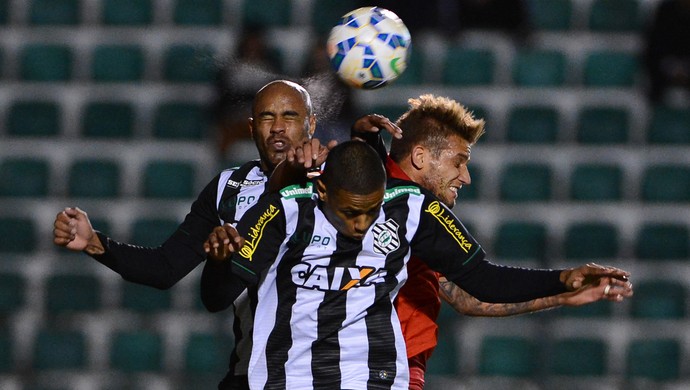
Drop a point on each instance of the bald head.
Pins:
(282, 87)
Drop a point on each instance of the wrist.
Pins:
(94, 246)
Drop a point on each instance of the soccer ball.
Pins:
(369, 47)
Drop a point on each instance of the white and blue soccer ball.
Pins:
(369, 47)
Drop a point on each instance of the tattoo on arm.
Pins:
(466, 304)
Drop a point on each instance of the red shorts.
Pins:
(417, 364)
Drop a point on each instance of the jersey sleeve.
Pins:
(263, 228)
(447, 247)
(165, 265)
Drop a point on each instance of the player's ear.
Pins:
(312, 125)
(418, 156)
(251, 126)
(321, 189)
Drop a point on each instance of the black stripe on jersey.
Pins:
(280, 339)
(382, 352)
(332, 312)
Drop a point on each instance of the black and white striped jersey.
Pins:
(244, 192)
(325, 317)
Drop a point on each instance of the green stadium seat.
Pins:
(669, 125)
(611, 69)
(101, 224)
(468, 67)
(70, 293)
(7, 362)
(136, 351)
(532, 124)
(108, 120)
(127, 12)
(12, 296)
(446, 356)
(600, 309)
(54, 12)
(178, 120)
(659, 299)
(24, 177)
(19, 235)
(326, 14)
(614, 16)
(169, 180)
(603, 125)
(266, 13)
(550, 15)
(657, 359)
(60, 350)
(521, 240)
(539, 68)
(525, 182)
(666, 183)
(33, 119)
(152, 232)
(4, 11)
(45, 62)
(189, 64)
(145, 299)
(198, 12)
(414, 73)
(508, 356)
(596, 183)
(94, 179)
(662, 241)
(207, 353)
(591, 240)
(577, 357)
(117, 63)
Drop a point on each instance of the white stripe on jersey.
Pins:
(242, 307)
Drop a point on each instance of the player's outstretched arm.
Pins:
(72, 229)
(602, 289)
(219, 286)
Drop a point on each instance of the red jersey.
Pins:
(417, 303)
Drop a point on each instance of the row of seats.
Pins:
(517, 181)
(131, 351)
(68, 294)
(599, 124)
(653, 358)
(510, 240)
(461, 66)
(176, 120)
(181, 62)
(599, 15)
(185, 120)
(97, 178)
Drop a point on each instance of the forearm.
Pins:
(466, 304)
(493, 283)
(219, 286)
(159, 267)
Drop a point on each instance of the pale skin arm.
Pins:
(466, 304)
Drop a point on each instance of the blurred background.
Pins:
(127, 108)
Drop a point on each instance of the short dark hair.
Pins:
(355, 167)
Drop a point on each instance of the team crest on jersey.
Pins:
(386, 238)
